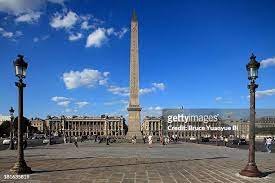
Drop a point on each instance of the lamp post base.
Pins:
(21, 168)
(251, 170)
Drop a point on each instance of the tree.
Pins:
(5, 128)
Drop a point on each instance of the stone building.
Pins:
(87, 125)
(151, 125)
(39, 124)
(156, 127)
(265, 122)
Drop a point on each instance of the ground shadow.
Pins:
(128, 164)
(265, 174)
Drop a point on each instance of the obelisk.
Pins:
(134, 108)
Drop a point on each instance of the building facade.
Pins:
(4, 118)
(155, 126)
(151, 126)
(87, 126)
(265, 122)
(39, 124)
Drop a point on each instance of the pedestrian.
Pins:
(107, 140)
(144, 139)
(95, 138)
(65, 140)
(75, 142)
(25, 144)
(150, 140)
(166, 140)
(225, 141)
(268, 144)
(264, 145)
(135, 139)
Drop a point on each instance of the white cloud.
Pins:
(116, 102)
(42, 38)
(61, 101)
(100, 36)
(264, 93)
(82, 104)
(85, 25)
(155, 87)
(124, 91)
(87, 78)
(75, 37)
(143, 91)
(64, 103)
(223, 100)
(58, 99)
(268, 62)
(116, 90)
(17, 7)
(10, 35)
(159, 86)
(151, 111)
(110, 31)
(96, 38)
(31, 17)
(65, 21)
(121, 33)
(61, 2)
(218, 98)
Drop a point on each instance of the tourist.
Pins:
(150, 140)
(65, 140)
(268, 144)
(225, 141)
(25, 144)
(166, 139)
(135, 139)
(144, 139)
(107, 140)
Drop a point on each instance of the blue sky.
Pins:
(192, 54)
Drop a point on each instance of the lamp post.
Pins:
(11, 147)
(20, 166)
(251, 169)
(50, 133)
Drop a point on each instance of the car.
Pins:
(193, 138)
(46, 141)
(241, 141)
(6, 142)
(205, 139)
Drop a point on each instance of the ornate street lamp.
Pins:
(20, 66)
(11, 147)
(251, 169)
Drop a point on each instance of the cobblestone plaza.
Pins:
(137, 163)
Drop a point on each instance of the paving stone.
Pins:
(127, 163)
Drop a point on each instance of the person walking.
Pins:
(107, 140)
(268, 144)
(225, 141)
(144, 139)
(150, 140)
(75, 142)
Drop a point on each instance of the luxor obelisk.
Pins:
(134, 107)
